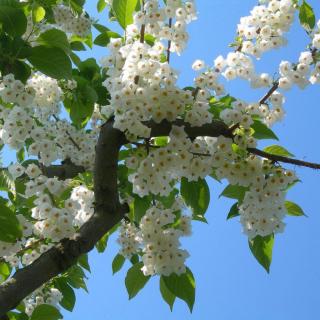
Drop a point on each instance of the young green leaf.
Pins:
(182, 286)
(234, 211)
(69, 298)
(196, 195)
(261, 131)
(307, 16)
(117, 263)
(10, 228)
(104, 38)
(140, 206)
(234, 192)
(293, 209)
(278, 151)
(261, 248)
(38, 13)
(46, 312)
(166, 294)
(101, 5)
(135, 280)
(123, 10)
(51, 61)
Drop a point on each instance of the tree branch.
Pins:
(283, 159)
(269, 93)
(108, 210)
(66, 170)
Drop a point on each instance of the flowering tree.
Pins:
(119, 147)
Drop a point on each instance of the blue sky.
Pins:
(230, 283)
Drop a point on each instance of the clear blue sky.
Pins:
(230, 283)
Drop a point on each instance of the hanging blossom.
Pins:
(157, 240)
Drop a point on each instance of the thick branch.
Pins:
(66, 170)
(108, 212)
(283, 159)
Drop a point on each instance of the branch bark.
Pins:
(66, 170)
(283, 159)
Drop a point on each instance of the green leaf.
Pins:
(278, 151)
(6, 181)
(234, 211)
(21, 70)
(103, 39)
(140, 206)
(117, 263)
(306, 16)
(101, 245)
(293, 209)
(69, 298)
(5, 271)
(161, 141)
(83, 262)
(75, 277)
(80, 106)
(38, 13)
(261, 248)
(10, 228)
(54, 38)
(77, 46)
(123, 10)
(182, 286)
(166, 294)
(51, 61)
(196, 195)
(135, 280)
(101, 5)
(101, 27)
(234, 192)
(13, 20)
(261, 131)
(46, 312)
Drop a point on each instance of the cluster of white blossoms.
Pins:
(141, 82)
(155, 18)
(306, 71)
(78, 25)
(49, 220)
(263, 30)
(263, 208)
(43, 295)
(48, 95)
(48, 139)
(157, 240)
(14, 91)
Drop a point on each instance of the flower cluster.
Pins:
(48, 95)
(68, 22)
(42, 295)
(263, 30)
(158, 240)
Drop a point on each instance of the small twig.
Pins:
(142, 34)
(283, 159)
(169, 43)
(31, 246)
(69, 135)
(269, 93)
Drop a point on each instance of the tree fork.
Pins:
(108, 210)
